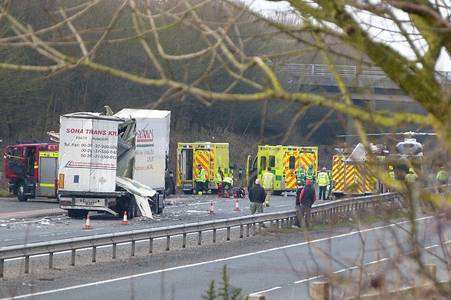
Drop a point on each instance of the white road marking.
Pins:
(344, 270)
(211, 261)
(307, 279)
(369, 263)
(265, 291)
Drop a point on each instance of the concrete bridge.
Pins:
(364, 83)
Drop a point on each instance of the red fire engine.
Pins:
(31, 170)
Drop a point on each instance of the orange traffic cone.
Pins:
(87, 223)
(211, 210)
(237, 205)
(124, 219)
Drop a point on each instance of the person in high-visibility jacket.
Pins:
(391, 172)
(300, 176)
(300, 180)
(219, 180)
(411, 177)
(201, 180)
(391, 175)
(331, 185)
(310, 175)
(323, 182)
(268, 184)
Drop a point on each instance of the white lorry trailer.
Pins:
(113, 164)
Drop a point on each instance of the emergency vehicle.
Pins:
(211, 156)
(284, 162)
(351, 174)
(352, 178)
(31, 170)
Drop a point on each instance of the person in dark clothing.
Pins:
(304, 203)
(297, 203)
(257, 197)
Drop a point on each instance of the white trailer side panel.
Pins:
(152, 145)
(88, 150)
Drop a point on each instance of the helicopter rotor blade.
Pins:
(371, 134)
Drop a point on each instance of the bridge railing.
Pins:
(358, 74)
(247, 225)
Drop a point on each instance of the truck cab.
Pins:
(31, 170)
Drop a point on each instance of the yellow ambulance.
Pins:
(284, 162)
(211, 156)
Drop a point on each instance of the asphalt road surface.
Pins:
(278, 265)
(11, 205)
(186, 209)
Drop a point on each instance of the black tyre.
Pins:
(77, 213)
(21, 193)
(277, 193)
(157, 205)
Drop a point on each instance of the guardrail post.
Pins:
(114, 251)
(94, 250)
(241, 231)
(214, 235)
(247, 230)
(150, 245)
(2, 267)
(27, 264)
(228, 233)
(51, 260)
(319, 290)
(184, 240)
(199, 238)
(132, 252)
(72, 259)
(168, 242)
(254, 225)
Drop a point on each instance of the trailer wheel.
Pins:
(21, 193)
(77, 213)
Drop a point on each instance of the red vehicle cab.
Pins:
(31, 170)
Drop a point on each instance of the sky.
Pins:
(267, 7)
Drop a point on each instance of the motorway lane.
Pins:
(11, 205)
(186, 209)
(283, 271)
